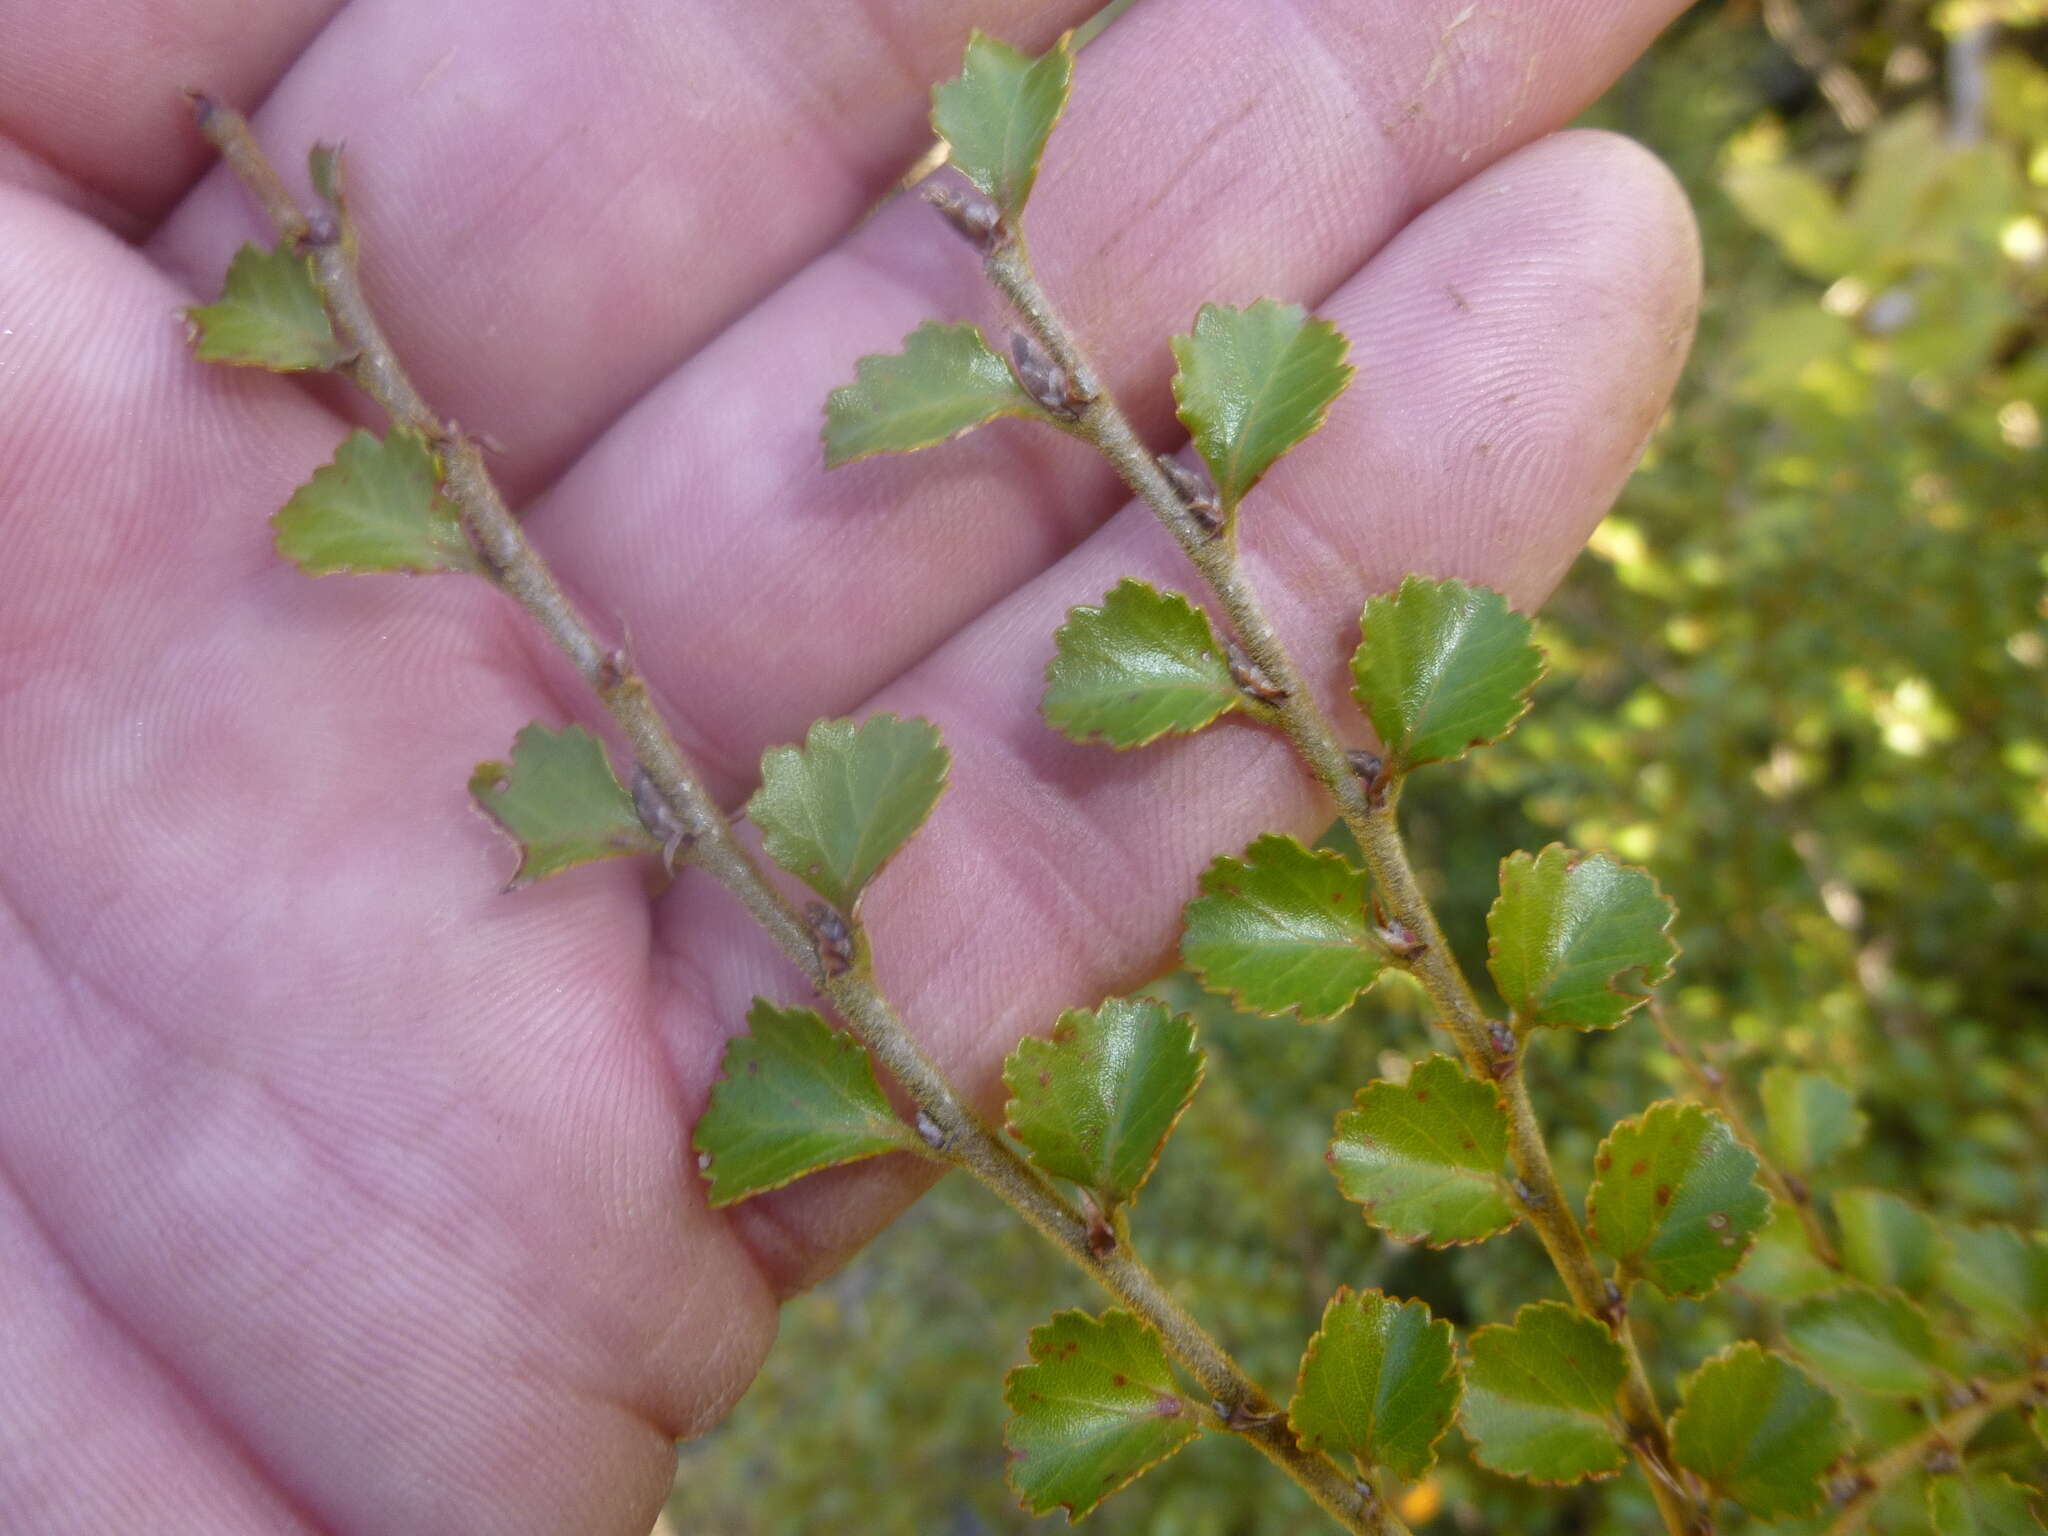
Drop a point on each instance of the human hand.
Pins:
(342, 1191)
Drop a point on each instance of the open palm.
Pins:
(340, 1191)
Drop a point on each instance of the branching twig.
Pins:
(1845, 92)
(1945, 1437)
(1370, 815)
(957, 1135)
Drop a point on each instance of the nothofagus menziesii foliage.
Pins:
(1790, 1411)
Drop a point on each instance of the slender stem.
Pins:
(1712, 1083)
(956, 1133)
(1940, 1441)
(1371, 818)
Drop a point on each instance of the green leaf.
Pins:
(997, 113)
(797, 1096)
(1885, 1241)
(1096, 1408)
(1810, 1119)
(377, 507)
(560, 801)
(1443, 667)
(1781, 1265)
(1539, 1396)
(833, 811)
(1675, 1200)
(1143, 665)
(1379, 1383)
(944, 382)
(2001, 1276)
(1283, 928)
(269, 315)
(1975, 1503)
(1873, 1341)
(1096, 1102)
(1252, 384)
(1795, 208)
(1577, 940)
(1759, 1431)
(1424, 1157)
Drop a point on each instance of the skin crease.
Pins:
(339, 1191)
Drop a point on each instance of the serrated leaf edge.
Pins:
(1603, 1158)
(1424, 1239)
(1454, 1372)
(1751, 1346)
(1235, 704)
(1237, 999)
(1478, 1447)
(1636, 999)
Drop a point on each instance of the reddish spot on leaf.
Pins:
(1421, 1094)
(1663, 1194)
(1605, 1161)
(1639, 1169)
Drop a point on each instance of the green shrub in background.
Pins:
(1804, 673)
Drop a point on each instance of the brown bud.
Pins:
(928, 1129)
(1045, 380)
(1195, 493)
(1249, 676)
(660, 819)
(834, 938)
(974, 217)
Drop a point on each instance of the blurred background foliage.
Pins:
(1799, 675)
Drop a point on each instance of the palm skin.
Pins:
(339, 1190)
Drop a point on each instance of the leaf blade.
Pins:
(834, 811)
(1094, 1409)
(1252, 384)
(1539, 1396)
(796, 1095)
(1143, 665)
(1811, 1119)
(946, 381)
(1675, 1199)
(1424, 1157)
(1575, 940)
(1096, 1102)
(1442, 667)
(269, 315)
(377, 507)
(559, 800)
(1873, 1341)
(1759, 1431)
(1981, 1503)
(1885, 1241)
(998, 112)
(1379, 1382)
(1283, 929)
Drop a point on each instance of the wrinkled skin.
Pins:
(339, 1190)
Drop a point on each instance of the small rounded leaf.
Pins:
(1252, 384)
(559, 800)
(1979, 1503)
(1095, 1409)
(1379, 1383)
(1759, 1432)
(998, 112)
(1539, 1396)
(1675, 1199)
(1872, 1341)
(2001, 1275)
(1443, 667)
(944, 382)
(377, 507)
(797, 1096)
(1143, 665)
(1424, 1157)
(1811, 1119)
(1577, 940)
(1885, 1241)
(1283, 929)
(835, 810)
(1096, 1102)
(269, 315)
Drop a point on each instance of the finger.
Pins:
(91, 90)
(1213, 151)
(1514, 345)
(560, 210)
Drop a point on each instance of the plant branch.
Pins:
(1942, 1440)
(1712, 1084)
(958, 1135)
(1369, 811)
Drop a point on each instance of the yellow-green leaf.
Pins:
(1972, 1502)
(1143, 665)
(1442, 667)
(559, 800)
(2001, 1275)
(797, 1095)
(1539, 1396)
(1872, 1341)
(1577, 940)
(1811, 1119)
(1675, 1199)
(1379, 1383)
(1885, 1241)
(835, 810)
(377, 507)
(1253, 383)
(1759, 1432)
(1424, 1157)
(269, 315)
(1283, 929)
(1096, 1407)
(945, 381)
(997, 113)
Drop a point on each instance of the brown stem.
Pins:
(1946, 1435)
(1370, 816)
(961, 1138)
(1712, 1084)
